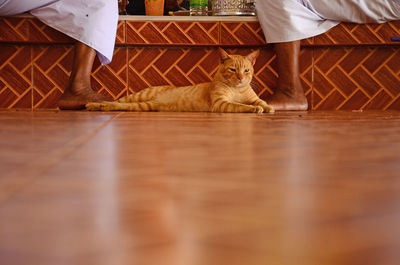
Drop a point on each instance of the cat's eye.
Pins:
(232, 69)
(246, 70)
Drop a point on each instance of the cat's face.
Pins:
(237, 70)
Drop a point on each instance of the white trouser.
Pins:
(289, 20)
(93, 22)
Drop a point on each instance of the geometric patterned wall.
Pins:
(15, 77)
(357, 67)
(356, 78)
(350, 67)
(355, 34)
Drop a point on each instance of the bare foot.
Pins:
(79, 92)
(77, 101)
(284, 101)
(290, 93)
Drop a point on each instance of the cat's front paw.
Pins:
(258, 109)
(269, 109)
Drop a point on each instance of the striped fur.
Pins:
(230, 91)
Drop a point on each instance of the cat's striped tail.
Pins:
(116, 106)
(144, 95)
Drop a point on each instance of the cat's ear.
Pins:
(224, 55)
(252, 57)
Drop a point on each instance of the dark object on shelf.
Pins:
(395, 38)
(136, 7)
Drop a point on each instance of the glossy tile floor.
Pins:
(199, 189)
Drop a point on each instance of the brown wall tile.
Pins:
(343, 77)
(171, 33)
(51, 69)
(14, 29)
(394, 105)
(121, 33)
(111, 80)
(240, 33)
(359, 78)
(52, 66)
(41, 33)
(353, 34)
(15, 77)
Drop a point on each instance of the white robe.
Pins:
(290, 20)
(93, 22)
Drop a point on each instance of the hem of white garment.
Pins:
(302, 36)
(103, 59)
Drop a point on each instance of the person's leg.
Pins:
(289, 94)
(79, 91)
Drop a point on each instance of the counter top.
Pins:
(176, 18)
(191, 18)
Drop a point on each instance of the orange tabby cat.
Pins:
(230, 91)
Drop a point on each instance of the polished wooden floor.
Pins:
(199, 189)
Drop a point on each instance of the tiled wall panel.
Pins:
(180, 67)
(52, 66)
(121, 33)
(354, 34)
(13, 29)
(356, 78)
(173, 33)
(112, 80)
(247, 34)
(15, 77)
(41, 33)
(28, 30)
(51, 69)
(240, 33)
(175, 67)
(335, 74)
